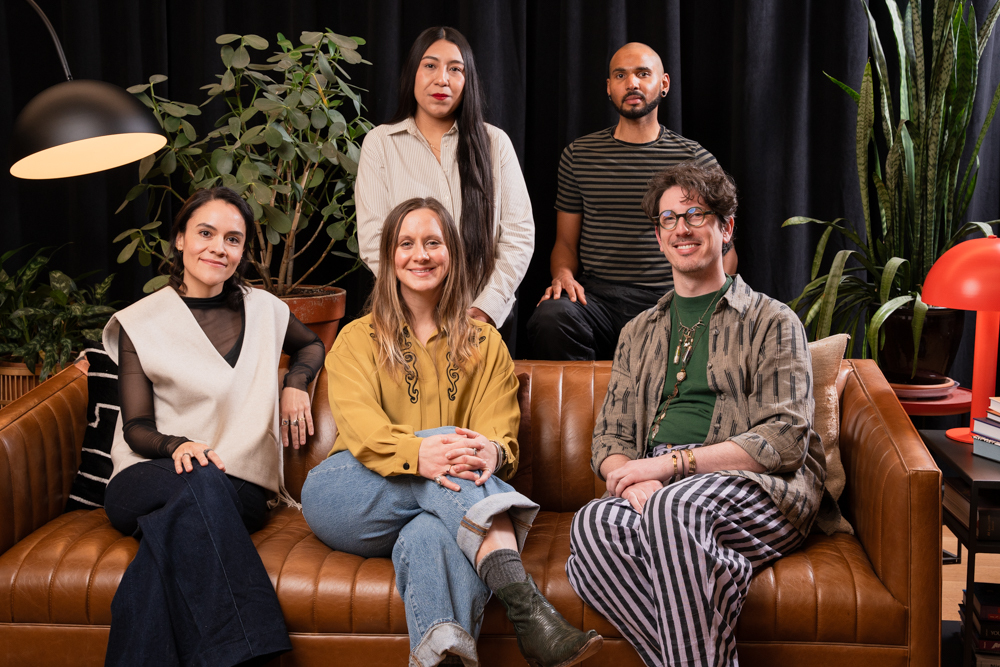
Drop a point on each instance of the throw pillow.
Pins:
(91, 479)
(826, 357)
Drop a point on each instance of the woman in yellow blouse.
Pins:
(426, 405)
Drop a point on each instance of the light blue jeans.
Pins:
(433, 535)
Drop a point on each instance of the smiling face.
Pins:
(440, 80)
(421, 259)
(694, 253)
(211, 247)
(636, 82)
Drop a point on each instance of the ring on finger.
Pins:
(437, 480)
(284, 422)
(295, 422)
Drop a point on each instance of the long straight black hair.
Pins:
(475, 163)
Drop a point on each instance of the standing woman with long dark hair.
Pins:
(438, 145)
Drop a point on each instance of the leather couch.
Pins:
(873, 598)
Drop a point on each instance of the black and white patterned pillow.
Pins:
(91, 479)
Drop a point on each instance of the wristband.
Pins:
(501, 455)
(691, 463)
(673, 457)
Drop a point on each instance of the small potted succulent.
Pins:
(44, 324)
(288, 140)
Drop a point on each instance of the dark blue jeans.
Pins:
(564, 330)
(196, 592)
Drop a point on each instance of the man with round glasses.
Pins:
(606, 266)
(705, 439)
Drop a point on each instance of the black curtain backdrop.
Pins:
(746, 82)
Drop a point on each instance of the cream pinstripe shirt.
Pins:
(397, 164)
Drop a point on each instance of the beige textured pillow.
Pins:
(826, 357)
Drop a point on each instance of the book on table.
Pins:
(957, 500)
(986, 427)
(986, 601)
(985, 447)
(995, 404)
(993, 414)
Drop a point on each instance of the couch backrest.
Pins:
(559, 405)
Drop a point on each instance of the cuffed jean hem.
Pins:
(445, 636)
(478, 519)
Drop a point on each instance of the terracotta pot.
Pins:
(936, 353)
(320, 309)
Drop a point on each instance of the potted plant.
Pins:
(921, 191)
(283, 142)
(43, 325)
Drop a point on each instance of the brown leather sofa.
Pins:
(842, 600)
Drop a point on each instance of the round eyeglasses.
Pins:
(694, 217)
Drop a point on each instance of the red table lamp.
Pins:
(967, 277)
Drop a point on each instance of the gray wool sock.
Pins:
(500, 568)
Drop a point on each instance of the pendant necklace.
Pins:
(688, 342)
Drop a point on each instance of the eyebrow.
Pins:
(436, 59)
(633, 69)
(213, 228)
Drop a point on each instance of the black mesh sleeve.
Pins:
(138, 414)
(306, 351)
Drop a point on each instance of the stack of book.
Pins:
(984, 623)
(986, 432)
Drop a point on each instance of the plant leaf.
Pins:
(225, 39)
(875, 325)
(241, 58)
(277, 219)
(127, 251)
(255, 42)
(155, 284)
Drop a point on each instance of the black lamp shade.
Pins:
(81, 127)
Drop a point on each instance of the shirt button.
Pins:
(722, 397)
(406, 466)
(709, 365)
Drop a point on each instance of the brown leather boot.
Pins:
(545, 638)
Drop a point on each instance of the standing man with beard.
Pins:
(606, 264)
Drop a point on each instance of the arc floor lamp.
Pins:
(80, 127)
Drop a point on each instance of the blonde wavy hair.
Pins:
(389, 310)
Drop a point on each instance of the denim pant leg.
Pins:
(433, 535)
(196, 592)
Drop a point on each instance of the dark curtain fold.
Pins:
(746, 81)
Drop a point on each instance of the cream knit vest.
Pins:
(199, 396)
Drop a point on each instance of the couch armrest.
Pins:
(893, 500)
(40, 437)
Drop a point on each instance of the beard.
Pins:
(638, 112)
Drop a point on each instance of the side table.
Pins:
(956, 460)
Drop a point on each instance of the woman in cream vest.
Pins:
(427, 493)
(196, 453)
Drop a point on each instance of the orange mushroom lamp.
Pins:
(967, 277)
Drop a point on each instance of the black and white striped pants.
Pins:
(673, 579)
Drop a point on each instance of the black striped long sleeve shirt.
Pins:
(760, 367)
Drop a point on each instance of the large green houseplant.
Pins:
(288, 140)
(922, 192)
(44, 323)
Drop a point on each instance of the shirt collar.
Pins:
(736, 297)
(409, 126)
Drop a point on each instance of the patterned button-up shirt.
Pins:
(760, 368)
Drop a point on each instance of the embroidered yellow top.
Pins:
(378, 413)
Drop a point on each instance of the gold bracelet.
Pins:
(673, 457)
(691, 463)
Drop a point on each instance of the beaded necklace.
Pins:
(690, 337)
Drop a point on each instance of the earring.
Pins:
(663, 93)
(609, 97)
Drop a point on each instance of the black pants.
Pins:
(564, 330)
(196, 592)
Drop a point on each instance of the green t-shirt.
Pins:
(689, 415)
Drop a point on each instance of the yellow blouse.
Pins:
(377, 414)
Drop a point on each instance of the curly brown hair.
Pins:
(236, 286)
(713, 184)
